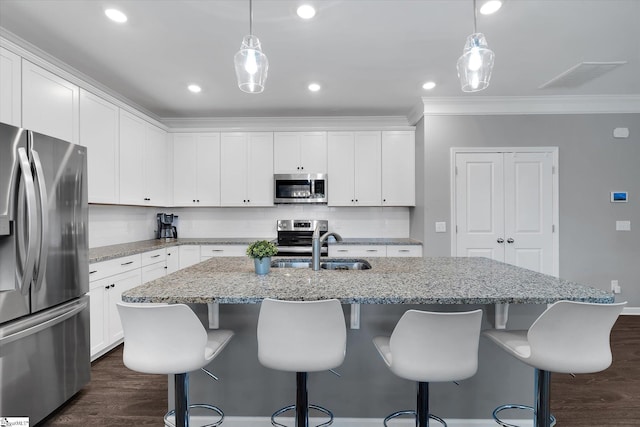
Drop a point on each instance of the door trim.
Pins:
(555, 197)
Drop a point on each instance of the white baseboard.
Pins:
(631, 311)
(350, 422)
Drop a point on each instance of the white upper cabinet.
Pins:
(143, 162)
(196, 169)
(10, 88)
(246, 169)
(398, 168)
(300, 152)
(354, 168)
(99, 132)
(50, 104)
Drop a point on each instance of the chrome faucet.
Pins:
(316, 245)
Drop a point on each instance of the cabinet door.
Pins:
(119, 284)
(208, 169)
(153, 271)
(340, 187)
(10, 88)
(173, 259)
(98, 331)
(233, 169)
(286, 152)
(155, 167)
(99, 128)
(313, 152)
(398, 168)
(132, 143)
(260, 169)
(50, 104)
(189, 255)
(367, 169)
(185, 159)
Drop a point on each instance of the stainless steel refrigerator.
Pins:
(44, 278)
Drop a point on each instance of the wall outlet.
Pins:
(615, 287)
(441, 227)
(623, 225)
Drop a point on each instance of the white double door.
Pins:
(506, 207)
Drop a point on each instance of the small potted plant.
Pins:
(261, 251)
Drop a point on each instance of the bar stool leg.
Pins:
(302, 400)
(543, 404)
(181, 389)
(422, 412)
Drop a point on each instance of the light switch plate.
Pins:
(441, 227)
(623, 225)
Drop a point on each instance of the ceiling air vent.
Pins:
(580, 74)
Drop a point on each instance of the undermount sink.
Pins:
(331, 264)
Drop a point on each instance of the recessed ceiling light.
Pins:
(115, 15)
(314, 87)
(429, 85)
(491, 6)
(194, 88)
(306, 11)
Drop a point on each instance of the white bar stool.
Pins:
(431, 347)
(301, 337)
(169, 339)
(569, 337)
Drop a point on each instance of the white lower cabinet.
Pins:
(105, 326)
(173, 259)
(189, 255)
(210, 251)
(371, 251)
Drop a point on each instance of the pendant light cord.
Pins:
(251, 17)
(475, 17)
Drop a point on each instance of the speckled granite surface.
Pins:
(390, 281)
(105, 253)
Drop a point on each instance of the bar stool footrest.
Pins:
(412, 413)
(292, 407)
(514, 406)
(215, 409)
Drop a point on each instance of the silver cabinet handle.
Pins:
(500, 240)
(510, 240)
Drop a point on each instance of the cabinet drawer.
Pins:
(100, 270)
(152, 257)
(341, 251)
(208, 251)
(404, 251)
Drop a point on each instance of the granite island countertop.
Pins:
(446, 280)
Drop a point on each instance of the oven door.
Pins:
(299, 251)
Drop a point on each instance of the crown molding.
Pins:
(268, 124)
(488, 105)
(42, 59)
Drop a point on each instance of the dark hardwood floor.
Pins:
(117, 396)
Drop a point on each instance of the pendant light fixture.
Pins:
(476, 63)
(251, 64)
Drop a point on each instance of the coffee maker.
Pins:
(166, 228)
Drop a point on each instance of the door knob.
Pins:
(510, 240)
(500, 240)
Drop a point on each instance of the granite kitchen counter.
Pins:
(389, 281)
(105, 253)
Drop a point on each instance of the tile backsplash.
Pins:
(110, 225)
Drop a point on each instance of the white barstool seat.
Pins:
(301, 337)
(170, 339)
(431, 347)
(569, 337)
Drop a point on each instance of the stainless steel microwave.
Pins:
(300, 188)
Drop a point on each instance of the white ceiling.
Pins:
(370, 56)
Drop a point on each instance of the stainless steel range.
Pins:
(294, 236)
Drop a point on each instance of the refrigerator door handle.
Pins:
(24, 272)
(43, 214)
(39, 323)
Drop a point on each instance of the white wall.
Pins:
(110, 225)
